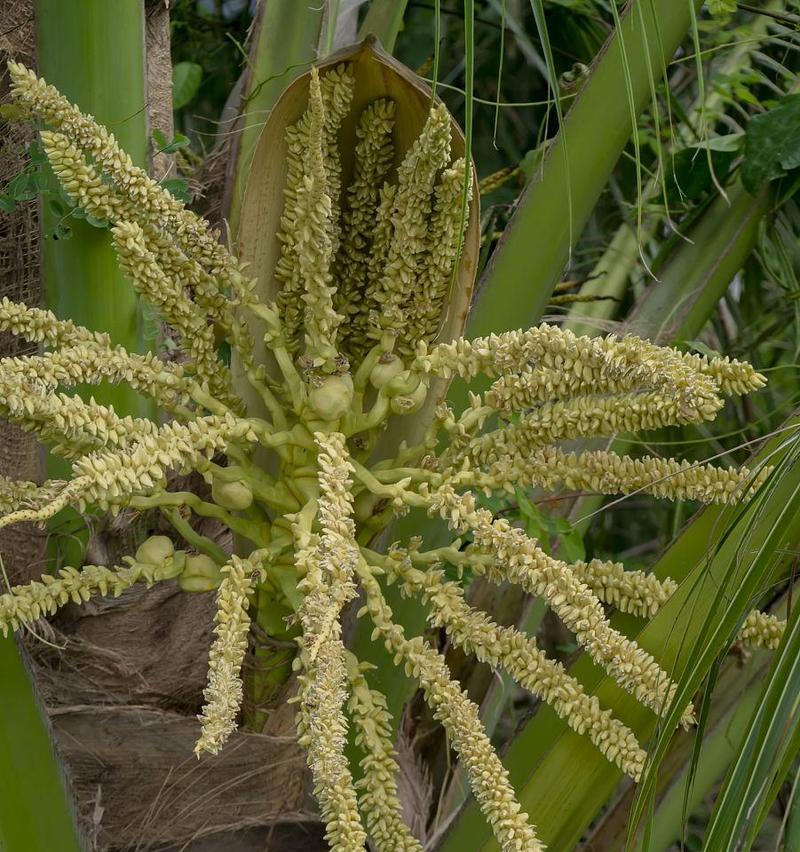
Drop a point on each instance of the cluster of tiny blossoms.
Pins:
(366, 265)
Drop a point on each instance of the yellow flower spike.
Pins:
(83, 364)
(762, 630)
(81, 180)
(328, 561)
(337, 94)
(373, 154)
(378, 787)
(521, 561)
(581, 417)
(329, 565)
(308, 231)
(167, 295)
(224, 692)
(445, 237)
(643, 595)
(461, 719)
(73, 426)
(608, 473)
(42, 326)
(13, 492)
(111, 478)
(313, 243)
(322, 728)
(508, 648)
(634, 592)
(154, 203)
(733, 377)
(25, 604)
(588, 363)
(68, 495)
(412, 205)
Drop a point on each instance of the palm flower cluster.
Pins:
(365, 272)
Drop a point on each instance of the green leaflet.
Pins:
(772, 144)
(186, 79)
(768, 752)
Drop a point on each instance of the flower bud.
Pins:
(231, 495)
(173, 567)
(385, 370)
(333, 398)
(155, 550)
(201, 574)
(410, 403)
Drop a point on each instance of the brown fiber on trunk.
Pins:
(21, 546)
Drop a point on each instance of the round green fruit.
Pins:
(201, 574)
(231, 495)
(409, 403)
(155, 550)
(333, 398)
(385, 370)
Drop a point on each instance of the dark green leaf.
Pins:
(694, 843)
(729, 142)
(772, 144)
(691, 175)
(701, 347)
(178, 188)
(7, 204)
(62, 232)
(95, 222)
(36, 154)
(532, 161)
(38, 181)
(535, 521)
(21, 188)
(572, 546)
(581, 7)
(186, 78)
(57, 208)
(165, 146)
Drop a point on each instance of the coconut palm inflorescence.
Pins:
(354, 341)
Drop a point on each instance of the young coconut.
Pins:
(388, 366)
(333, 398)
(235, 496)
(201, 574)
(155, 550)
(159, 550)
